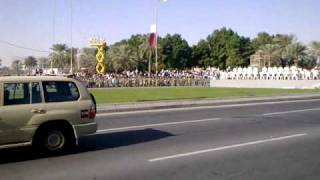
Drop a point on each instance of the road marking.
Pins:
(226, 147)
(293, 111)
(157, 125)
(204, 107)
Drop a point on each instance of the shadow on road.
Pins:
(89, 143)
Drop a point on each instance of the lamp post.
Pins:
(156, 29)
(71, 37)
(318, 58)
(53, 34)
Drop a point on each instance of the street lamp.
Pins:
(156, 33)
(71, 36)
(53, 34)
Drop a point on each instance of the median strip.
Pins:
(289, 112)
(156, 125)
(204, 107)
(226, 147)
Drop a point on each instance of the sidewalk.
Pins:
(152, 105)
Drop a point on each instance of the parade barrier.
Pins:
(281, 84)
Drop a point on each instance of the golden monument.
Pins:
(101, 45)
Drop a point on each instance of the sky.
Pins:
(37, 24)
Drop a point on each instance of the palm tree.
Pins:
(272, 51)
(16, 65)
(284, 40)
(87, 58)
(43, 62)
(120, 56)
(59, 47)
(59, 57)
(140, 50)
(295, 53)
(315, 50)
(30, 62)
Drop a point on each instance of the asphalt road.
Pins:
(252, 141)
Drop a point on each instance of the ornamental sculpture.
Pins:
(101, 45)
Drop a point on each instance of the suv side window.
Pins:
(58, 91)
(16, 94)
(36, 93)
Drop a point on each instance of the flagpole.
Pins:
(149, 68)
(156, 35)
(156, 50)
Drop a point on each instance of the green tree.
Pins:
(223, 48)
(139, 50)
(295, 53)
(30, 62)
(43, 62)
(272, 51)
(201, 53)
(129, 54)
(315, 50)
(262, 39)
(176, 53)
(120, 56)
(246, 51)
(283, 40)
(60, 57)
(4, 70)
(16, 66)
(226, 49)
(87, 58)
(308, 62)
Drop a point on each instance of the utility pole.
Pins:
(71, 38)
(156, 24)
(156, 50)
(149, 67)
(53, 33)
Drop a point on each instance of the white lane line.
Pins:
(226, 147)
(157, 125)
(293, 111)
(204, 107)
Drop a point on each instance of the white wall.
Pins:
(283, 84)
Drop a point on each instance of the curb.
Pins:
(113, 108)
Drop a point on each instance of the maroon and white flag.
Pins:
(153, 36)
(153, 40)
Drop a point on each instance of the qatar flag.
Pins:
(153, 40)
(153, 36)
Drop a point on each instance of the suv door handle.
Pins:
(38, 111)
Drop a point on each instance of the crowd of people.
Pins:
(196, 77)
(193, 77)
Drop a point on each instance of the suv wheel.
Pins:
(54, 140)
